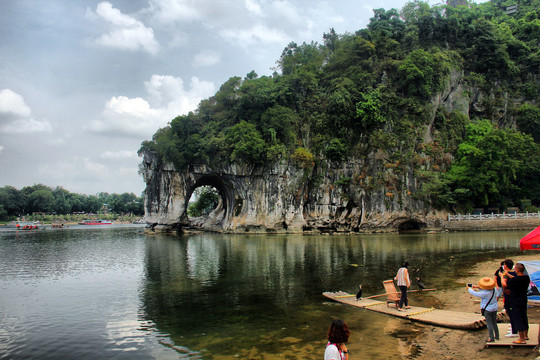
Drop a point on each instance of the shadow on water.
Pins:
(260, 296)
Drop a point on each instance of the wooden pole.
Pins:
(397, 292)
(374, 296)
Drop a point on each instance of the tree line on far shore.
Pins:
(44, 199)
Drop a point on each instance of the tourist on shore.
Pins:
(499, 271)
(403, 282)
(338, 335)
(518, 286)
(508, 273)
(489, 293)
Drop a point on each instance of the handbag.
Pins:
(483, 310)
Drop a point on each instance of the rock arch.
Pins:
(278, 197)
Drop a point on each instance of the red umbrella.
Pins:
(531, 241)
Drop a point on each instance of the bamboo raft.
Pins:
(444, 318)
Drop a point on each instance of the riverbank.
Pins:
(491, 225)
(441, 343)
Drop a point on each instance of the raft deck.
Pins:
(507, 341)
(444, 318)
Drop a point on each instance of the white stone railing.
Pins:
(492, 216)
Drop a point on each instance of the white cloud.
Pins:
(138, 117)
(253, 7)
(75, 168)
(256, 34)
(1, 149)
(285, 11)
(177, 10)
(136, 107)
(13, 103)
(127, 32)
(178, 39)
(119, 155)
(58, 141)
(24, 126)
(206, 58)
(15, 115)
(241, 22)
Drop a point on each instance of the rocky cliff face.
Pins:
(358, 195)
(281, 198)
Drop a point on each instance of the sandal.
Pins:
(518, 342)
(490, 340)
(407, 307)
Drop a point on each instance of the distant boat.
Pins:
(25, 225)
(95, 222)
(15, 224)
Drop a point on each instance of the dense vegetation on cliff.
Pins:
(379, 91)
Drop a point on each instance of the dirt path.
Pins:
(442, 343)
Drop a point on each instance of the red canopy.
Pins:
(531, 241)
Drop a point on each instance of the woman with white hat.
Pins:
(489, 292)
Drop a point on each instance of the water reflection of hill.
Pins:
(233, 284)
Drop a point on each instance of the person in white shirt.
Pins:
(403, 282)
(338, 335)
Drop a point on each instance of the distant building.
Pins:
(105, 209)
(511, 9)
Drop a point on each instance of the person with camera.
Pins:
(488, 294)
(517, 302)
(500, 270)
(507, 273)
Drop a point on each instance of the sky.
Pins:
(83, 83)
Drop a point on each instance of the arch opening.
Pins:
(209, 203)
(204, 200)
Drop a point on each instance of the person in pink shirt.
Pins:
(403, 282)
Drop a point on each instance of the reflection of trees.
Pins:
(55, 254)
(206, 282)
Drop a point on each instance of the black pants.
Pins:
(511, 316)
(403, 300)
(518, 312)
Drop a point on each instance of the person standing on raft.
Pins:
(488, 294)
(518, 286)
(403, 282)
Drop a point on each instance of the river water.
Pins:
(115, 293)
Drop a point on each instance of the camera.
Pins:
(469, 285)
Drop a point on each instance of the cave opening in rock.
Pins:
(209, 203)
(411, 226)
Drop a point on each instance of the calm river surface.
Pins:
(116, 293)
